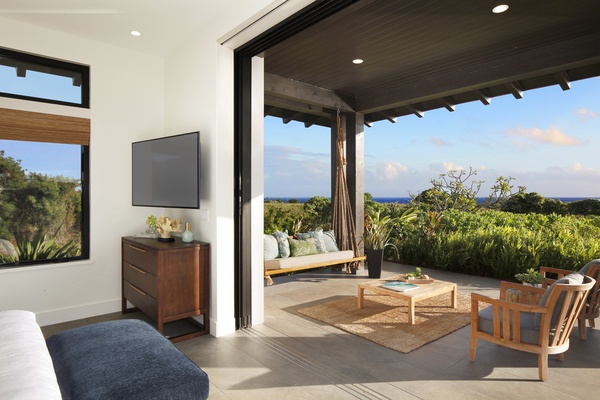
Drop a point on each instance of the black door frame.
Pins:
(243, 142)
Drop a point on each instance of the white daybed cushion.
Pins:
(26, 370)
(295, 262)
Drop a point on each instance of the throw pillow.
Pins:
(571, 279)
(302, 236)
(270, 246)
(282, 244)
(320, 240)
(329, 240)
(303, 247)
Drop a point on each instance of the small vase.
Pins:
(187, 236)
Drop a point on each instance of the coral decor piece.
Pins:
(166, 226)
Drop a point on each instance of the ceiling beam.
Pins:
(562, 78)
(565, 55)
(276, 86)
(298, 106)
(413, 110)
(515, 89)
(447, 105)
(483, 97)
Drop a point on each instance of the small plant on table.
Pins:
(531, 276)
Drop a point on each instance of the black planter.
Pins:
(374, 261)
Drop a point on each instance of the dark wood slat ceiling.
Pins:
(426, 54)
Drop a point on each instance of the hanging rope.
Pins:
(343, 218)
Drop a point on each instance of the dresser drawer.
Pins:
(141, 258)
(141, 300)
(141, 279)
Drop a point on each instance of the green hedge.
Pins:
(489, 243)
(500, 244)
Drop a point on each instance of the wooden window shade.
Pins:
(40, 127)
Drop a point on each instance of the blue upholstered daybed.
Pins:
(124, 359)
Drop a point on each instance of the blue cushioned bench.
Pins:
(124, 359)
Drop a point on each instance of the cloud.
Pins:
(553, 135)
(584, 113)
(390, 170)
(293, 172)
(443, 167)
(439, 142)
(573, 180)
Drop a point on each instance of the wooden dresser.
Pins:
(167, 281)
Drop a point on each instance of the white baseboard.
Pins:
(221, 329)
(52, 317)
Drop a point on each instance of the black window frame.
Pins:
(84, 71)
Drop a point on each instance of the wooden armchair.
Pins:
(591, 309)
(542, 329)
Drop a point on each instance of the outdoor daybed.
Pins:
(284, 254)
(124, 359)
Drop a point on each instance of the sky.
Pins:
(548, 141)
(42, 157)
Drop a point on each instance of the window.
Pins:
(29, 77)
(44, 163)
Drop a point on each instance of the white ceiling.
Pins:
(164, 24)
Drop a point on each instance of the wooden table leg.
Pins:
(411, 311)
(454, 295)
(361, 295)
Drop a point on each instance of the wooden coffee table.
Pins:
(424, 291)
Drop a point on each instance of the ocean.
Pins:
(405, 200)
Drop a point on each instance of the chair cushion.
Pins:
(586, 267)
(124, 359)
(571, 279)
(528, 332)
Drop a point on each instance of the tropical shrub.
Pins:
(318, 213)
(500, 244)
(43, 247)
(487, 242)
(283, 217)
(31, 203)
(584, 207)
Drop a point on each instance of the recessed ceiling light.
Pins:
(500, 8)
(358, 61)
(136, 33)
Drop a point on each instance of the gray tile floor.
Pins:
(294, 357)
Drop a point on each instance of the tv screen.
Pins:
(166, 171)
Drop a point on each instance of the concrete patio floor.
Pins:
(291, 356)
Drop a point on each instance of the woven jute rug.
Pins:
(384, 319)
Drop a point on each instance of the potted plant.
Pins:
(376, 237)
(530, 277)
(416, 274)
(151, 226)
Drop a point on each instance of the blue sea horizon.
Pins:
(405, 200)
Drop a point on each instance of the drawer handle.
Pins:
(137, 290)
(137, 248)
(141, 271)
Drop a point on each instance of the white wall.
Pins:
(200, 95)
(133, 97)
(127, 104)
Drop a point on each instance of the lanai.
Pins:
(419, 56)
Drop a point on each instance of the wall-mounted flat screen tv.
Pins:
(166, 171)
